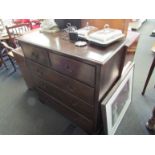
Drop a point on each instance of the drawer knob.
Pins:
(35, 55)
(67, 67)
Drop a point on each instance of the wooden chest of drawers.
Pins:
(74, 80)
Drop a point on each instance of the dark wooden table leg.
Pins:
(151, 122)
(149, 75)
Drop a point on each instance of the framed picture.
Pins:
(118, 100)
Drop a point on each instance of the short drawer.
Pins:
(65, 98)
(83, 122)
(65, 83)
(78, 70)
(36, 54)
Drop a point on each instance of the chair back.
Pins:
(16, 31)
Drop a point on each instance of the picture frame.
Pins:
(117, 101)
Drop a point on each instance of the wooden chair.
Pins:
(5, 52)
(16, 31)
(2, 52)
(35, 23)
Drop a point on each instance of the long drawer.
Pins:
(78, 70)
(68, 100)
(36, 54)
(83, 122)
(74, 87)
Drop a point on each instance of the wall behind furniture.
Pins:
(62, 22)
(113, 23)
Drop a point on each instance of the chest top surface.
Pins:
(56, 43)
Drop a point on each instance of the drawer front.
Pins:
(65, 98)
(65, 83)
(36, 54)
(83, 122)
(73, 68)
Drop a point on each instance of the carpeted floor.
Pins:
(22, 113)
(141, 106)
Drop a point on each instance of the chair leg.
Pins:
(12, 63)
(149, 75)
(3, 62)
(151, 122)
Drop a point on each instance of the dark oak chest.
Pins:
(73, 79)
